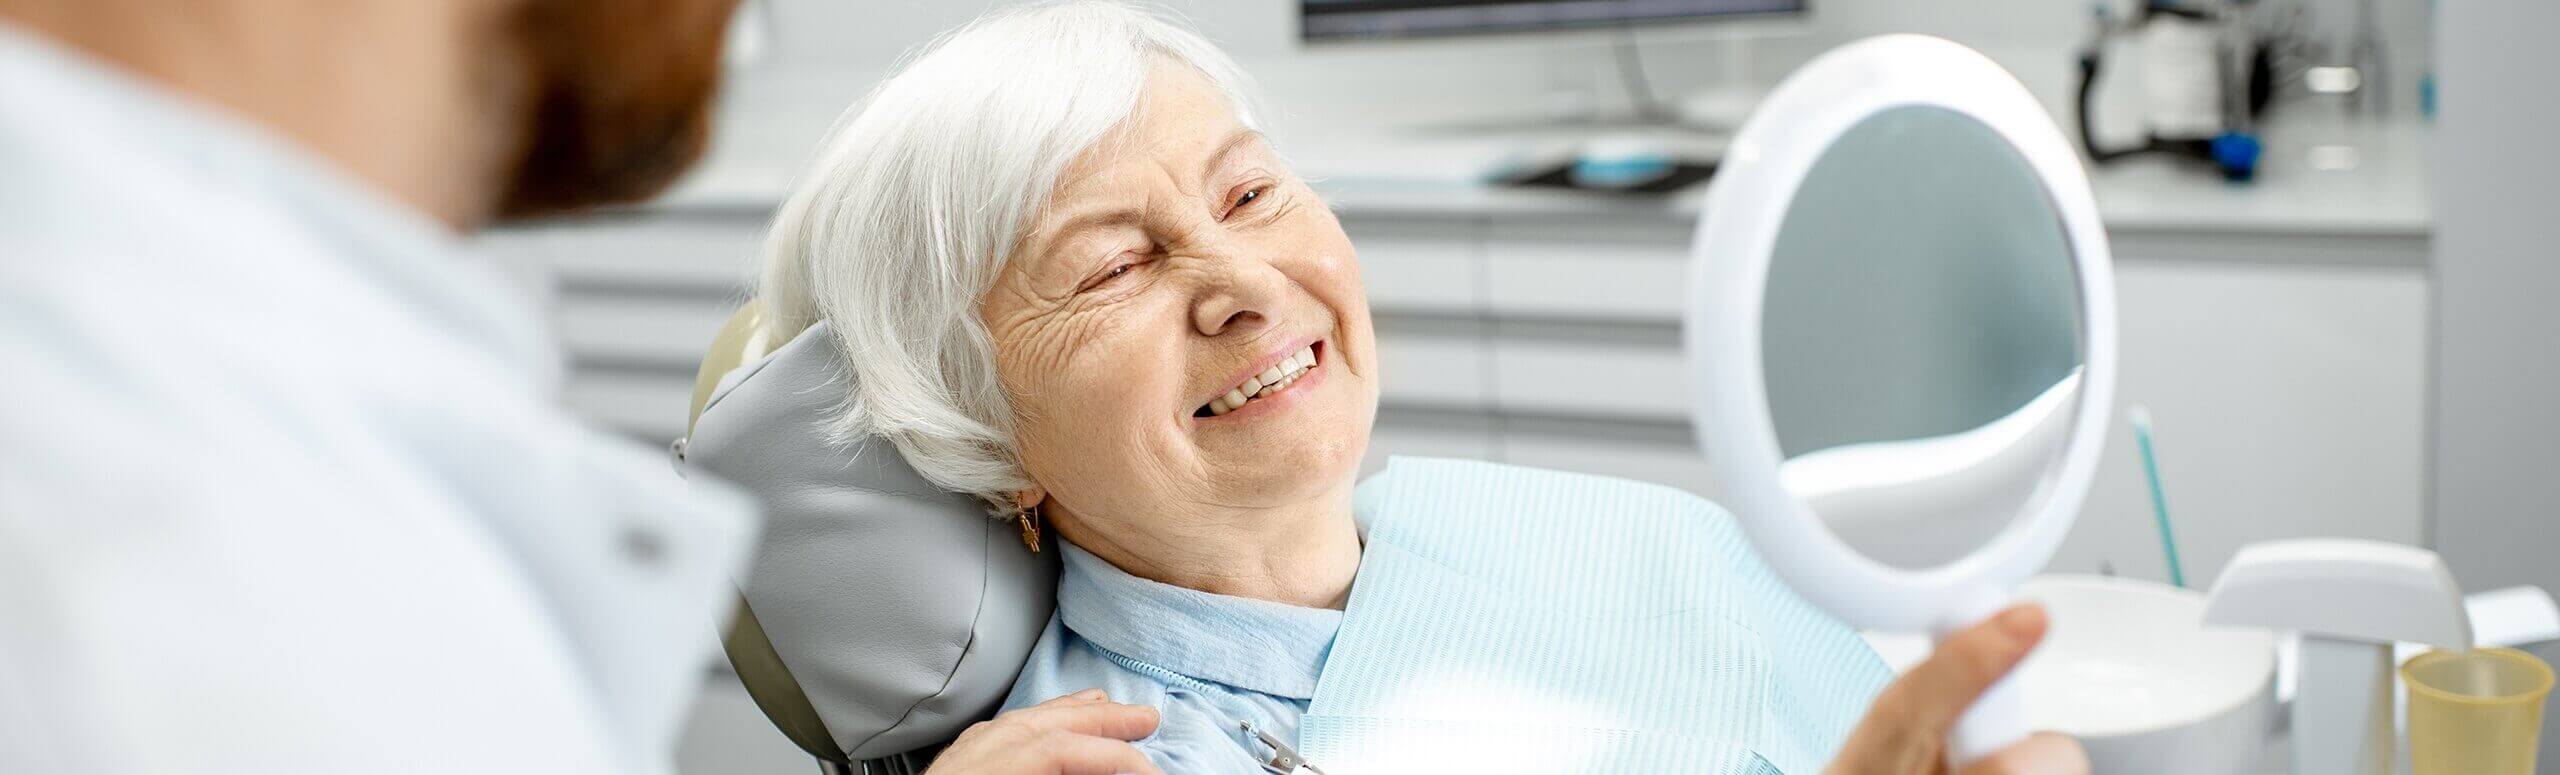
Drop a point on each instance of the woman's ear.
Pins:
(1026, 500)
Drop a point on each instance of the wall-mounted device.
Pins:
(1321, 20)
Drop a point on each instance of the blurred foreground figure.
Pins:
(283, 483)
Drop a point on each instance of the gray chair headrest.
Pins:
(901, 611)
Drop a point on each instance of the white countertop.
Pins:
(1365, 167)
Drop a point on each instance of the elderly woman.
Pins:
(1075, 279)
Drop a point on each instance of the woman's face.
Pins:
(1174, 270)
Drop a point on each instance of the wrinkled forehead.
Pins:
(1181, 119)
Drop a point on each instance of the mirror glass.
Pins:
(1921, 337)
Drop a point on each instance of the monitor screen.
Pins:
(1351, 19)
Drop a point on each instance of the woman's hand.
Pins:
(1078, 734)
(1905, 732)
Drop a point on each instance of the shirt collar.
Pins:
(1254, 645)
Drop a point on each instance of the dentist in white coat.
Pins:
(284, 484)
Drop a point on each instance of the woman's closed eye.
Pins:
(1120, 267)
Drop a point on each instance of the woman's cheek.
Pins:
(1111, 375)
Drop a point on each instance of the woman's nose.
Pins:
(1237, 293)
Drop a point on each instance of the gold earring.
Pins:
(1029, 519)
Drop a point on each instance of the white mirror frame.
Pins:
(1745, 207)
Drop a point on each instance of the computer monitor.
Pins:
(1331, 20)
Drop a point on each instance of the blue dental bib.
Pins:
(1517, 620)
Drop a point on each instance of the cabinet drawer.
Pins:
(644, 406)
(1602, 269)
(702, 255)
(1391, 438)
(1681, 466)
(1432, 369)
(1598, 379)
(1608, 282)
(1423, 266)
(662, 332)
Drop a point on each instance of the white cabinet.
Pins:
(1400, 436)
(1441, 369)
(1418, 265)
(634, 299)
(1631, 376)
(2288, 401)
(1660, 459)
(1608, 268)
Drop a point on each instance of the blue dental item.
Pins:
(2159, 499)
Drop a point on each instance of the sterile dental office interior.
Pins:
(2328, 348)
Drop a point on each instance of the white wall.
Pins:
(2497, 380)
(2497, 263)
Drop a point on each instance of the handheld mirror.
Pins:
(1901, 336)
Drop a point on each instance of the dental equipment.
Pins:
(2349, 599)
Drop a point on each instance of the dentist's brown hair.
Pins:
(615, 99)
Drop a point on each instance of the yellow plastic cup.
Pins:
(2476, 712)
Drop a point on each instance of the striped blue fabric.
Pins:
(1517, 620)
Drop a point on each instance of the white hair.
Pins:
(919, 196)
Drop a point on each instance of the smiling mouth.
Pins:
(1258, 386)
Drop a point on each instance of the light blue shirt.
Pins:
(1211, 664)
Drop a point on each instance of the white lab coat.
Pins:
(284, 486)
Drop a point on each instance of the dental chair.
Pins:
(882, 615)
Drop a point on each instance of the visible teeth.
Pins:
(1272, 380)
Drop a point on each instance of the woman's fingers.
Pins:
(1905, 731)
(1090, 716)
(1075, 734)
(1084, 755)
(2043, 753)
(1077, 698)
(1937, 691)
